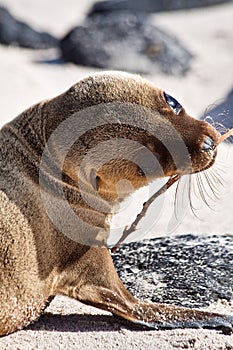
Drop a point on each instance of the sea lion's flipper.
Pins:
(170, 317)
(153, 315)
(104, 289)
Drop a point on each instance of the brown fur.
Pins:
(36, 260)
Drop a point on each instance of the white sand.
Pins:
(208, 34)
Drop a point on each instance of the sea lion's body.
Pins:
(38, 261)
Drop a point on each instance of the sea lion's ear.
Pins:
(94, 179)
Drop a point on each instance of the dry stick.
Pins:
(226, 135)
(127, 231)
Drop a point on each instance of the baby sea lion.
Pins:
(65, 164)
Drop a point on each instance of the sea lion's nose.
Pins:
(208, 144)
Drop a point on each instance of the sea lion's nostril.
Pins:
(208, 144)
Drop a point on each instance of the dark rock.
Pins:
(150, 5)
(127, 42)
(221, 115)
(189, 270)
(14, 32)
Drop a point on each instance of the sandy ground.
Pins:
(25, 78)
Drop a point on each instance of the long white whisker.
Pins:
(201, 190)
(212, 185)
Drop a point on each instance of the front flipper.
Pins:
(189, 318)
(93, 280)
(152, 315)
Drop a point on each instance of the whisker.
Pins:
(176, 199)
(219, 125)
(212, 186)
(215, 173)
(203, 185)
(207, 185)
(195, 188)
(182, 194)
(214, 180)
(201, 191)
(209, 120)
(198, 185)
(207, 110)
(215, 193)
(217, 177)
(193, 208)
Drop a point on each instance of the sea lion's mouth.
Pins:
(210, 156)
(212, 161)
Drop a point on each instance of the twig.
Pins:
(226, 135)
(127, 231)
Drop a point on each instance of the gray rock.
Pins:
(150, 5)
(125, 41)
(14, 32)
(191, 271)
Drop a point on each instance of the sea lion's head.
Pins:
(132, 133)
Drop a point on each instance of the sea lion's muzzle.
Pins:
(207, 147)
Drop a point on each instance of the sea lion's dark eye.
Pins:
(172, 103)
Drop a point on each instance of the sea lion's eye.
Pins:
(172, 103)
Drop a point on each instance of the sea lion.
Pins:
(42, 168)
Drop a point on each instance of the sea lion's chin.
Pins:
(203, 161)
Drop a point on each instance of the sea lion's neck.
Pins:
(76, 213)
(28, 136)
(29, 128)
(29, 139)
